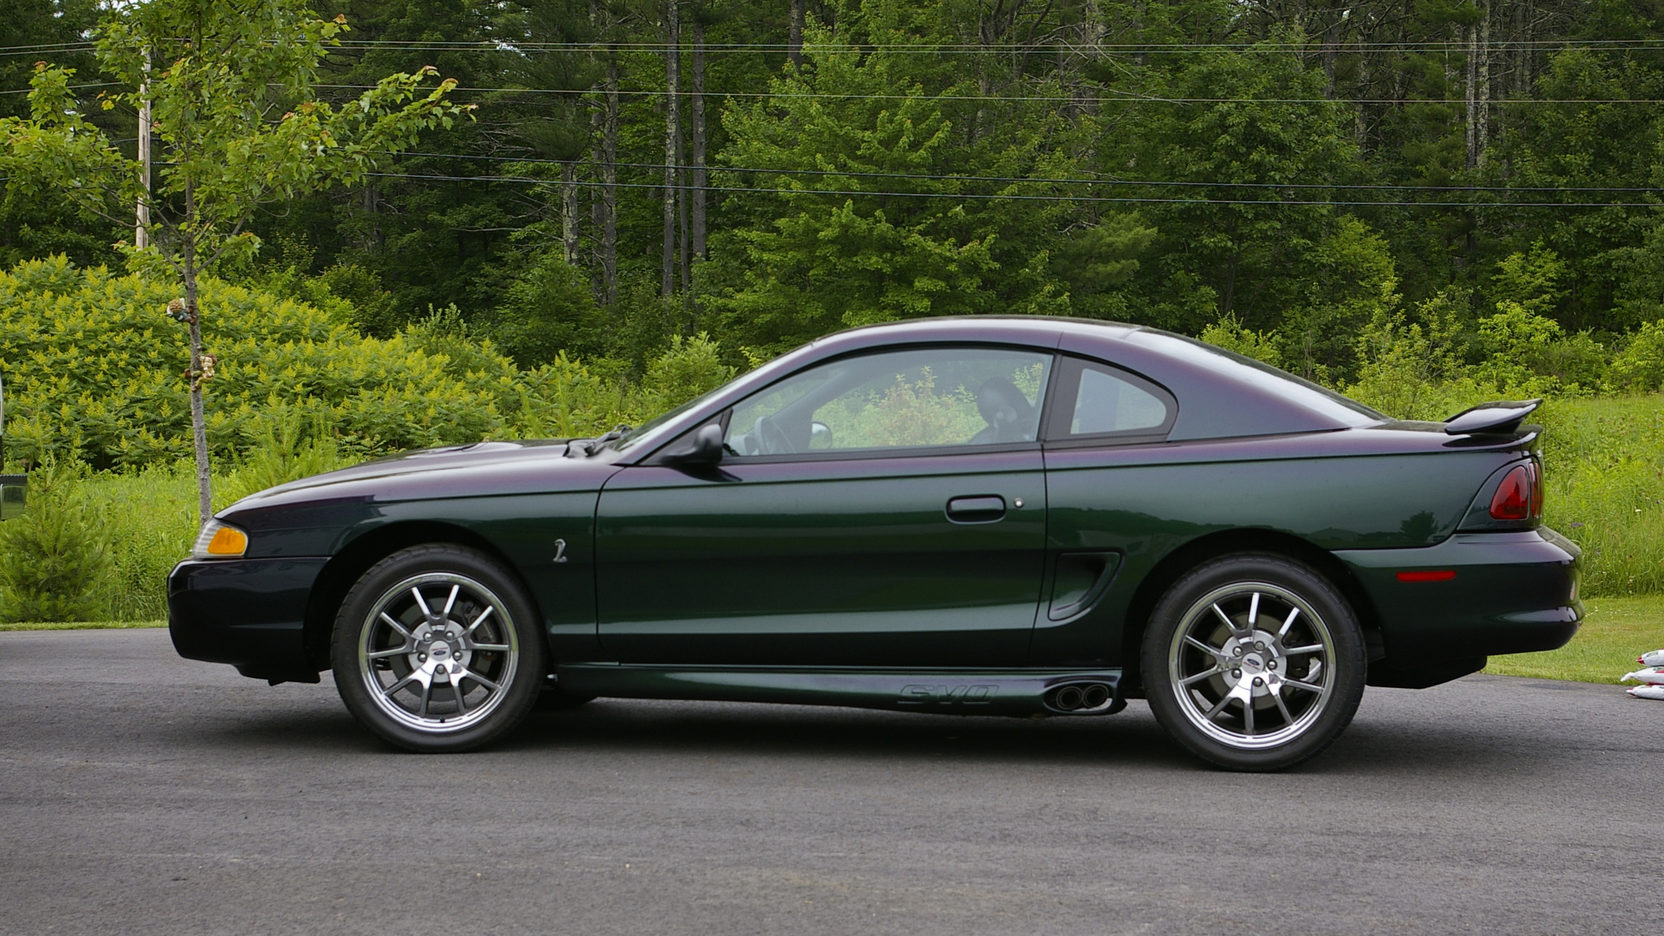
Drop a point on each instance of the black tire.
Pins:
(1253, 662)
(436, 648)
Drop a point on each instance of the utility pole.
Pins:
(141, 224)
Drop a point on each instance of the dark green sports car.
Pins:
(989, 516)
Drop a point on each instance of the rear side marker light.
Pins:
(1427, 575)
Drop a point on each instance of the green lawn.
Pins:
(81, 625)
(1615, 632)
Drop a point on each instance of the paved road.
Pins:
(143, 793)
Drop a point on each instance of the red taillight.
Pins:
(1536, 490)
(1427, 575)
(1517, 497)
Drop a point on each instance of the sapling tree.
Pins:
(236, 123)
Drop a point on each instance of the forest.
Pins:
(456, 219)
(769, 171)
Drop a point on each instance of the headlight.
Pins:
(219, 541)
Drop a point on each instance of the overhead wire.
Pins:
(930, 177)
(991, 196)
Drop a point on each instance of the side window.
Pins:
(1108, 401)
(923, 398)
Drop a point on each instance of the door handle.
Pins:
(981, 508)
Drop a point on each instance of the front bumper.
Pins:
(250, 613)
(1510, 593)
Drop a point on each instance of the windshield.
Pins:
(647, 430)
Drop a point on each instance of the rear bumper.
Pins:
(250, 613)
(1509, 593)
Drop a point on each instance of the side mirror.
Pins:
(705, 448)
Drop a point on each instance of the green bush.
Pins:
(54, 558)
(149, 520)
(1640, 365)
(96, 370)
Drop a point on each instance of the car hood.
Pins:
(480, 469)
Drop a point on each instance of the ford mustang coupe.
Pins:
(1011, 516)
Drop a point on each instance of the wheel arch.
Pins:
(356, 558)
(1229, 542)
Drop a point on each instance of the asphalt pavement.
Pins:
(140, 792)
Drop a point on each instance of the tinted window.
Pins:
(1097, 400)
(921, 398)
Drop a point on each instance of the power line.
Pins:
(1117, 97)
(1400, 47)
(1030, 180)
(505, 46)
(1017, 197)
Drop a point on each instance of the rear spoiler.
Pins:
(1500, 416)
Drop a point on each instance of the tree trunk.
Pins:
(697, 115)
(199, 421)
(672, 142)
(794, 34)
(609, 185)
(569, 211)
(1478, 84)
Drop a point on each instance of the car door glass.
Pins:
(924, 398)
(1107, 402)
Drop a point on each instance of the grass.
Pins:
(80, 625)
(1615, 632)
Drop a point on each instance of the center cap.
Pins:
(439, 651)
(1253, 663)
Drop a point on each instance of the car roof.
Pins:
(1221, 394)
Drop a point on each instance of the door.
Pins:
(882, 510)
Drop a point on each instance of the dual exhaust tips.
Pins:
(1092, 698)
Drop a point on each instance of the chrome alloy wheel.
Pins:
(1252, 665)
(438, 652)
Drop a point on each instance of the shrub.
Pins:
(54, 559)
(96, 372)
(1232, 335)
(689, 368)
(149, 520)
(1640, 365)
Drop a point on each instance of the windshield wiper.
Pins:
(591, 446)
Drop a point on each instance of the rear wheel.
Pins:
(436, 649)
(1253, 662)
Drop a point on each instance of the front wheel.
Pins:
(1253, 662)
(436, 648)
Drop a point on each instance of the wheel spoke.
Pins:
(481, 619)
(1292, 614)
(1288, 717)
(391, 622)
(1225, 618)
(383, 654)
(1253, 609)
(1192, 680)
(427, 696)
(390, 690)
(476, 677)
(1310, 648)
(500, 648)
(1248, 716)
(1205, 648)
(450, 600)
(456, 690)
(421, 602)
(1297, 684)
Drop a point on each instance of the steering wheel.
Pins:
(773, 439)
